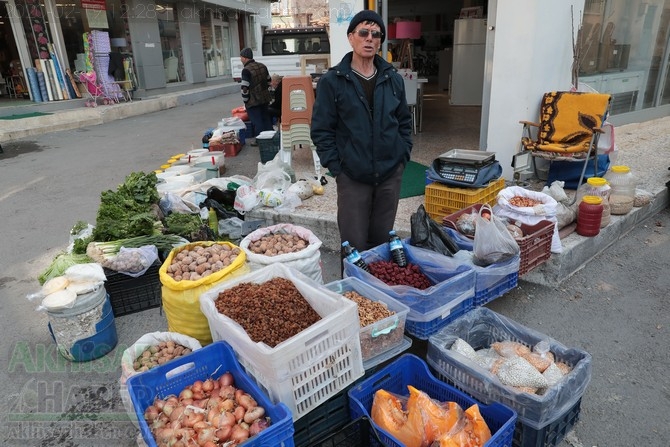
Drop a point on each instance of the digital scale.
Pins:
(463, 165)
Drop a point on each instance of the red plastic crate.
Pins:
(535, 246)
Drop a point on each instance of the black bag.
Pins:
(428, 234)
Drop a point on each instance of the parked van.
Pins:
(286, 50)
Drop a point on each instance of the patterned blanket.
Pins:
(567, 120)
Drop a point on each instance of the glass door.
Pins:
(216, 45)
(222, 46)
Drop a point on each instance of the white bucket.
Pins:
(212, 162)
(179, 169)
(174, 186)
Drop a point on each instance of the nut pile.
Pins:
(200, 261)
(278, 244)
(270, 312)
(158, 354)
(370, 312)
(522, 201)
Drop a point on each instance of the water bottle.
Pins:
(354, 257)
(397, 250)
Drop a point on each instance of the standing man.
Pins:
(362, 129)
(255, 92)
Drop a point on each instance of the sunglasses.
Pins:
(364, 33)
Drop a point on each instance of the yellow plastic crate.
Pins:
(442, 200)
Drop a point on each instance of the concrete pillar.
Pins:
(146, 43)
(191, 42)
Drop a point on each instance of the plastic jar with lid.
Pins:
(589, 215)
(598, 186)
(622, 183)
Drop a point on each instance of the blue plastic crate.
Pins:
(487, 295)
(211, 361)
(423, 326)
(551, 434)
(358, 433)
(411, 370)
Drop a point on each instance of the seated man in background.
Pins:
(275, 105)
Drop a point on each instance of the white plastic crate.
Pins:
(307, 369)
(381, 336)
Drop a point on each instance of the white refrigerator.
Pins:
(467, 72)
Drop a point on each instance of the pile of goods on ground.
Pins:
(419, 420)
(516, 365)
(206, 413)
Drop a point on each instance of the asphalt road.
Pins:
(616, 307)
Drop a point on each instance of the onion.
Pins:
(168, 408)
(223, 433)
(227, 392)
(197, 386)
(239, 434)
(226, 379)
(205, 435)
(159, 403)
(151, 413)
(176, 413)
(247, 401)
(239, 413)
(254, 413)
(198, 426)
(258, 426)
(208, 385)
(227, 405)
(186, 393)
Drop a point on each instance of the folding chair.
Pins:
(569, 129)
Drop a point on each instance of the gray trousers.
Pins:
(366, 213)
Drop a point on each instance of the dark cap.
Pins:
(246, 52)
(367, 15)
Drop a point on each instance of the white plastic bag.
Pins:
(546, 210)
(133, 262)
(135, 350)
(272, 176)
(246, 199)
(89, 272)
(290, 202)
(307, 260)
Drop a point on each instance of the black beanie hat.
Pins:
(367, 15)
(246, 52)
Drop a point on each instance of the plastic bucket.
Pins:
(211, 162)
(87, 330)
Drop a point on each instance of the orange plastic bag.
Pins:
(241, 113)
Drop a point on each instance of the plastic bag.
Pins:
(171, 202)
(426, 233)
(546, 210)
(290, 202)
(135, 350)
(81, 234)
(246, 199)
(272, 176)
(91, 271)
(133, 262)
(231, 227)
(493, 242)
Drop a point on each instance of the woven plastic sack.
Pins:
(546, 210)
(181, 298)
(307, 260)
(135, 350)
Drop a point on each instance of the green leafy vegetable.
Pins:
(127, 212)
(61, 263)
(183, 224)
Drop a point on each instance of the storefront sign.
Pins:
(94, 4)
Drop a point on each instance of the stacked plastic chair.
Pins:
(296, 117)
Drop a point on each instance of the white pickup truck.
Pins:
(291, 52)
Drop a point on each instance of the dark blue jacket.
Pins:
(366, 145)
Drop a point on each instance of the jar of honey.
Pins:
(589, 215)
